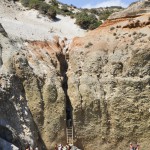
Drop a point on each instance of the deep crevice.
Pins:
(1, 61)
(9, 136)
(63, 69)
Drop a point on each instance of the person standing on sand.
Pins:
(60, 147)
(28, 147)
(67, 146)
(56, 147)
(138, 147)
(131, 146)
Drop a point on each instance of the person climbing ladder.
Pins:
(68, 116)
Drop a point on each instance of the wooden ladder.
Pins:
(69, 134)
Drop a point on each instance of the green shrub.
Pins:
(104, 15)
(51, 13)
(58, 11)
(72, 15)
(85, 10)
(86, 21)
(44, 7)
(65, 11)
(93, 11)
(88, 45)
(95, 25)
(64, 8)
(112, 28)
(35, 4)
(32, 3)
(25, 2)
(54, 3)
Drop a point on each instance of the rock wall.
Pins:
(136, 8)
(32, 100)
(104, 77)
(109, 86)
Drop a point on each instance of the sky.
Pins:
(97, 3)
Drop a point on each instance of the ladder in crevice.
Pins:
(69, 134)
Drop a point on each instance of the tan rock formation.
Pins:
(137, 8)
(32, 99)
(108, 85)
(104, 77)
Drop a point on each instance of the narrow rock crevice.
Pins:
(9, 136)
(40, 86)
(1, 61)
(63, 69)
(2, 30)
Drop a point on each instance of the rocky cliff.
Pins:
(104, 78)
(136, 8)
(32, 98)
(108, 84)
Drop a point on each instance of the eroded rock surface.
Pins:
(136, 8)
(104, 77)
(31, 94)
(109, 86)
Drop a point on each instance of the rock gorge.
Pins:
(104, 77)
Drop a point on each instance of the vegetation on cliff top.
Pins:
(85, 18)
(42, 6)
(87, 21)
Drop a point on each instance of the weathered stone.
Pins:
(110, 99)
(103, 78)
(2, 30)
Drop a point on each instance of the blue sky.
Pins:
(98, 3)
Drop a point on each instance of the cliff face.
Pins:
(103, 77)
(109, 85)
(137, 8)
(32, 98)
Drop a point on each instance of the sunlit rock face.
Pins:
(103, 77)
(109, 85)
(32, 100)
(135, 8)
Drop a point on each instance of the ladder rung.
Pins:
(69, 133)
